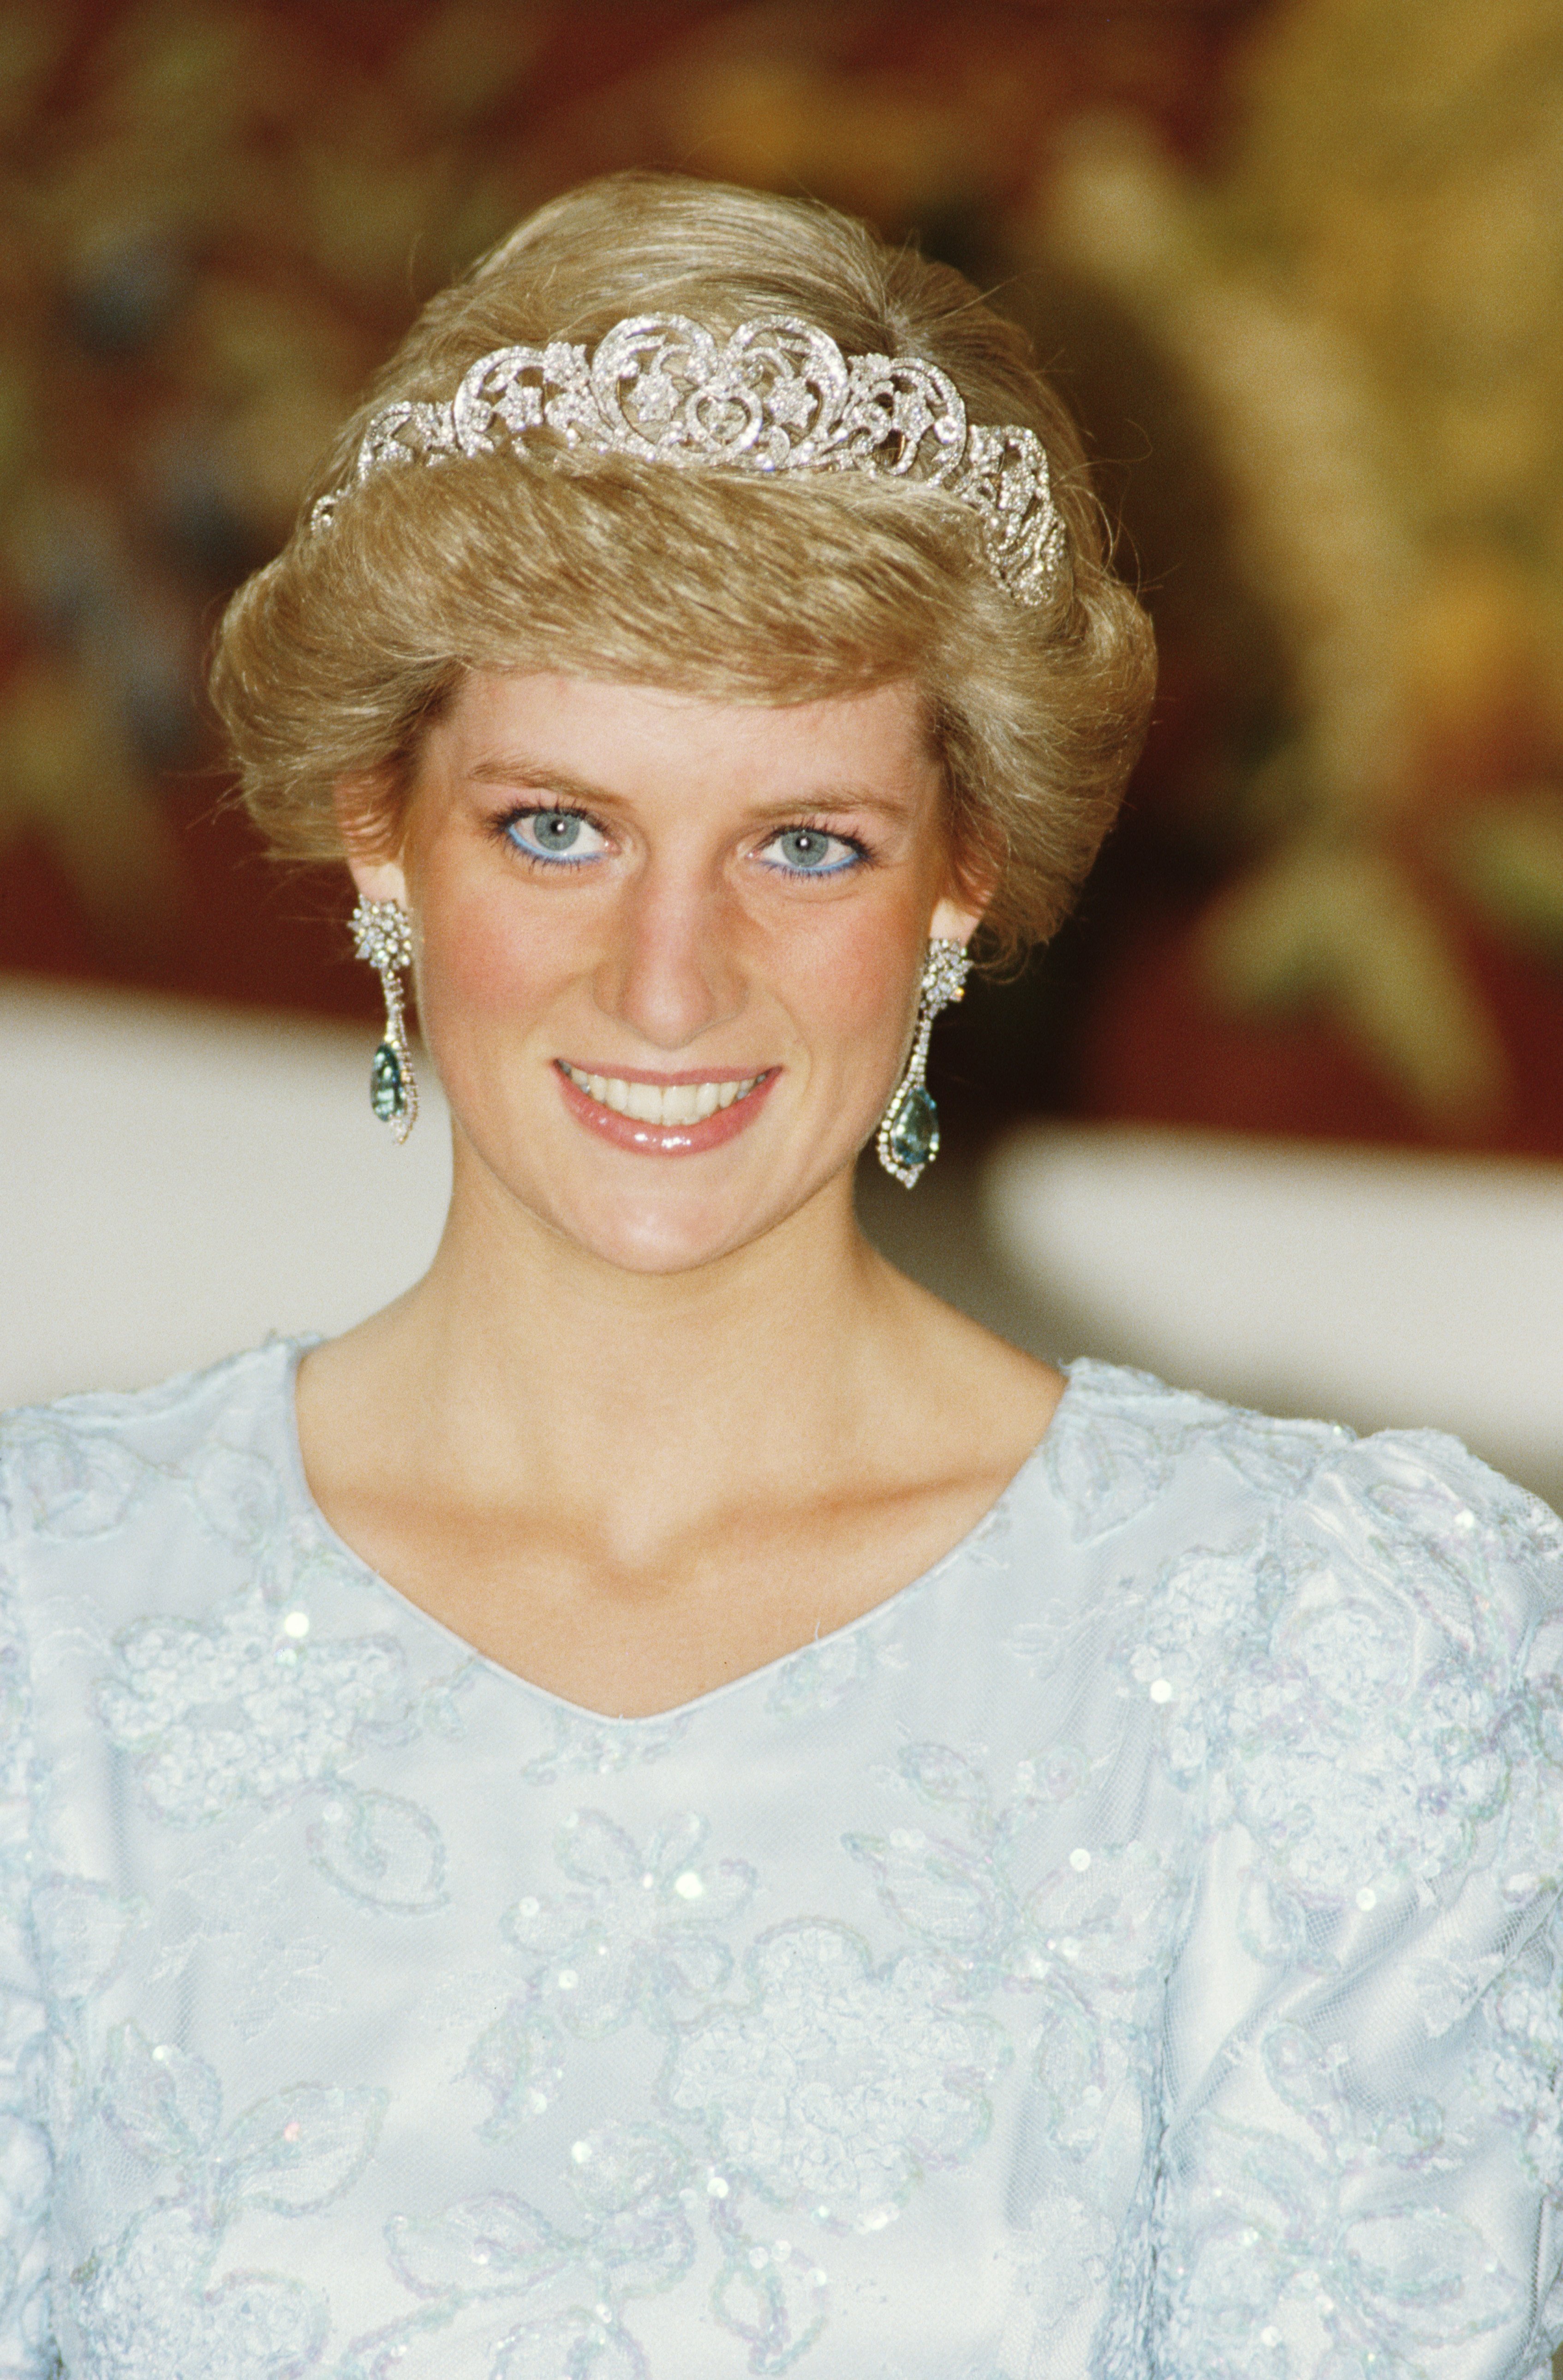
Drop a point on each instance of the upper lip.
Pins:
(689, 1074)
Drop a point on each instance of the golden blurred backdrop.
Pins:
(1298, 263)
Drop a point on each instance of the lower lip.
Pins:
(665, 1140)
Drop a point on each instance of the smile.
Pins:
(664, 1118)
(661, 1103)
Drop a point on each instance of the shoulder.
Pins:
(1400, 1693)
(1363, 2012)
(1410, 1517)
(1125, 1447)
(81, 1468)
(1399, 1504)
(1354, 1642)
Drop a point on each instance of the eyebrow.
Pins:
(525, 773)
(520, 770)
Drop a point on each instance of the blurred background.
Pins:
(1299, 266)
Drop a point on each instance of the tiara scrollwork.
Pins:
(779, 396)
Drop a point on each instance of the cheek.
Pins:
(851, 985)
(476, 968)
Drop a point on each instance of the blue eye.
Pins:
(809, 851)
(563, 836)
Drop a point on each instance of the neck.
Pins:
(530, 1432)
(539, 1367)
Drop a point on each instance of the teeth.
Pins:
(669, 1103)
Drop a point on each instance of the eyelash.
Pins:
(504, 830)
(861, 854)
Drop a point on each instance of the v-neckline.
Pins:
(675, 1714)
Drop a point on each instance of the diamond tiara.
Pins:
(779, 396)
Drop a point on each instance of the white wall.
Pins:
(175, 1182)
(1367, 1286)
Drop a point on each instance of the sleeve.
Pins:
(1361, 2158)
(26, 2346)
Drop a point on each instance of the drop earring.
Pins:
(908, 1140)
(383, 935)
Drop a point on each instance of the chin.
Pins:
(661, 1236)
(656, 1215)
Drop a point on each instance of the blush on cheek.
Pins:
(857, 987)
(850, 987)
(482, 968)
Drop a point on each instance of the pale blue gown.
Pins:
(1131, 1949)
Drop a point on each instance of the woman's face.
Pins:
(669, 948)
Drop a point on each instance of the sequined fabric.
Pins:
(1131, 1951)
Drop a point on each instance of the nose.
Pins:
(670, 971)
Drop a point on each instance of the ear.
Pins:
(360, 807)
(956, 918)
(974, 866)
(964, 902)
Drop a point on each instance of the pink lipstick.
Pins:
(663, 1115)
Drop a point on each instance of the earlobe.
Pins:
(972, 878)
(379, 879)
(359, 803)
(956, 918)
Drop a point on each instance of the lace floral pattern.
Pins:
(235, 1709)
(834, 2084)
(152, 2301)
(1135, 1950)
(643, 1924)
(503, 2288)
(639, 1932)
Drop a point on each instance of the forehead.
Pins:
(634, 740)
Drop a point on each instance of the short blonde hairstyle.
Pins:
(333, 661)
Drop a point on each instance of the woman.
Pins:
(668, 1806)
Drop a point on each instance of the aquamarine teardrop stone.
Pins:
(388, 1090)
(914, 1134)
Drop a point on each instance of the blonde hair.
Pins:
(333, 661)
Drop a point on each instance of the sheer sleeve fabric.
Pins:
(1362, 2163)
(26, 2346)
